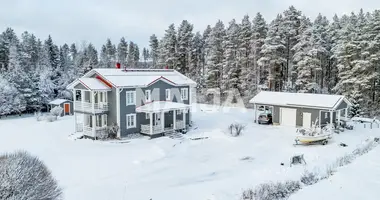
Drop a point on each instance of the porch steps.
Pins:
(175, 135)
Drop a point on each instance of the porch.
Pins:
(162, 117)
(93, 126)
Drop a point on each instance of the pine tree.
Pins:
(108, 55)
(7, 38)
(245, 61)
(184, 38)
(168, 54)
(136, 56)
(205, 37)
(122, 52)
(290, 29)
(17, 77)
(259, 33)
(8, 95)
(196, 65)
(274, 59)
(231, 67)
(153, 44)
(214, 58)
(46, 85)
(145, 57)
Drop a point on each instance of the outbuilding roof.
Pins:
(58, 101)
(323, 101)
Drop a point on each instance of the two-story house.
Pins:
(146, 101)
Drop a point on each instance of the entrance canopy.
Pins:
(159, 106)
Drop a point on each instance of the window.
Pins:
(326, 115)
(167, 94)
(131, 97)
(157, 119)
(147, 115)
(147, 96)
(184, 93)
(131, 121)
(104, 119)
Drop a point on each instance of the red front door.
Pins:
(67, 108)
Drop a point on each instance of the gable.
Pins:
(80, 86)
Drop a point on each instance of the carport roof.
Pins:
(309, 100)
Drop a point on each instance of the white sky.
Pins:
(94, 21)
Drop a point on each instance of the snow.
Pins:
(158, 106)
(166, 168)
(358, 180)
(58, 101)
(93, 84)
(297, 99)
(140, 77)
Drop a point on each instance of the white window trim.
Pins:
(148, 98)
(134, 121)
(184, 93)
(326, 115)
(134, 97)
(147, 115)
(167, 95)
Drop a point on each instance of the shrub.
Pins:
(309, 178)
(344, 160)
(51, 118)
(110, 133)
(276, 191)
(247, 195)
(56, 111)
(38, 116)
(25, 177)
(236, 129)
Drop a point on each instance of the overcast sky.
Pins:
(96, 20)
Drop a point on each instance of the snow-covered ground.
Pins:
(164, 168)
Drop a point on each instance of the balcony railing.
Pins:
(91, 107)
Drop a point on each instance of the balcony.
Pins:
(88, 107)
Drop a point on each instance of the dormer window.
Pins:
(167, 94)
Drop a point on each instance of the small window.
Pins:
(184, 93)
(147, 116)
(147, 96)
(167, 94)
(131, 121)
(104, 119)
(326, 115)
(179, 112)
(131, 97)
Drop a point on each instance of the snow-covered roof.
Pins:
(58, 101)
(93, 84)
(159, 106)
(325, 101)
(140, 77)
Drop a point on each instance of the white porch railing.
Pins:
(157, 129)
(90, 107)
(99, 131)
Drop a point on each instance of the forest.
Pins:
(291, 53)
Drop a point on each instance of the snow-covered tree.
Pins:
(46, 85)
(274, 60)
(196, 56)
(231, 67)
(259, 33)
(145, 55)
(153, 44)
(136, 56)
(168, 44)
(184, 39)
(9, 96)
(108, 55)
(214, 58)
(122, 52)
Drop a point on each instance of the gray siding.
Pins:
(342, 105)
(124, 110)
(299, 115)
(157, 94)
